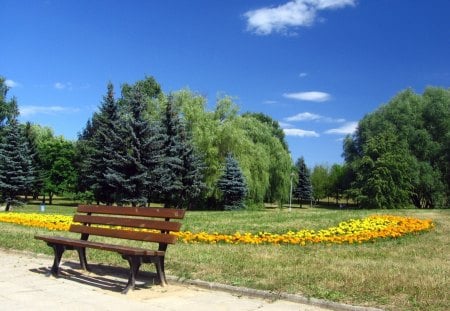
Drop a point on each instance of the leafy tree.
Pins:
(303, 190)
(383, 173)
(319, 181)
(412, 130)
(232, 185)
(56, 157)
(218, 132)
(16, 170)
(276, 130)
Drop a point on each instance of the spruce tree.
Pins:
(303, 189)
(181, 172)
(16, 170)
(98, 145)
(232, 185)
(129, 168)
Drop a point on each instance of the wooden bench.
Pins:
(130, 223)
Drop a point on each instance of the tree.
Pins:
(232, 185)
(319, 181)
(383, 174)
(336, 181)
(8, 108)
(303, 189)
(276, 130)
(128, 167)
(16, 170)
(248, 137)
(412, 130)
(56, 157)
(97, 147)
(181, 172)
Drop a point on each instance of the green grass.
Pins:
(411, 273)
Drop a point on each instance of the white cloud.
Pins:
(11, 83)
(347, 128)
(62, 86)
(313, 96)
(27, 111)
(295, 13)
(304, 116)
(303, 74)
(285, 125)
(307, 116)
(300, 133)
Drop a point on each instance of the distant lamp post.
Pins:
(290, 194)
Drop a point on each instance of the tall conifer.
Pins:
(16, 170)
(232, 185)
(303, 190)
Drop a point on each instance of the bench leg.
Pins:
(135, 263)
(82, 255)
(159, 264)
(58, 250)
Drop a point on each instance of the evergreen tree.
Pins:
(16, 170)
(181, 172)
(232, 185)
(131, 165)
(303, 189)
(97, 147)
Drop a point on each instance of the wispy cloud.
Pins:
(11, 83)
(304, 116)
(347, 128)
(303, 74)
(27, 111)
(270, 102)
(293, 14)
(313, 96)
(307, 116)
(285, 125)
(62, 85)
(300, 133)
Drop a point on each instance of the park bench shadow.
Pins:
(109, 278)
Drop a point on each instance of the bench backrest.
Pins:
(127, 223)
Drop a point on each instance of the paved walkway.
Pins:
(25, 285)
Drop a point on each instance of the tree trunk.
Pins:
(50, 198)
(8, 205)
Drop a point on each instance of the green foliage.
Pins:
(56, 158)
(232, 185)
(400, 153)
(181, 169)
(97, 148)
(127, 172)
(8, 108)
(16, 168)
(303, 189)
(319, 181)
(218, 132)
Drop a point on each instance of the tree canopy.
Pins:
(400, 152)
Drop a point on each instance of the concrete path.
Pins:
(25, 285)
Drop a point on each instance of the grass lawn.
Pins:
(410, 273)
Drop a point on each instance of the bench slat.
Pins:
(128, 222)
(126, 250)
(125, 234)
(133, 211)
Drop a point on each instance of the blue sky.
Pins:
(316, 66)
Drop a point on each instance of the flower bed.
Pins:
(353, 231)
